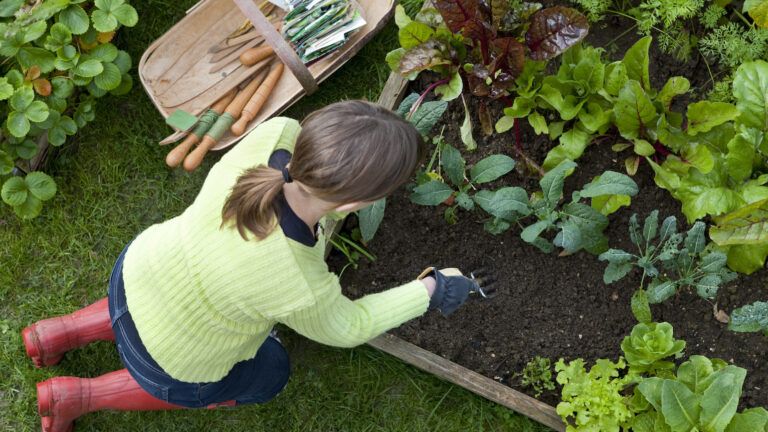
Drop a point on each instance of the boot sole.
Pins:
(35, 351)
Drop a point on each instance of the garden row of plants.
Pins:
(57, 59)
(709, 154)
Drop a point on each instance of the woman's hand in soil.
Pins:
(451, 289)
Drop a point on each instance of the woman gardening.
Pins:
(192, 301)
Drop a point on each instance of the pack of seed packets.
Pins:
(316, 28)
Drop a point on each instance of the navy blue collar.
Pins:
(293, 227)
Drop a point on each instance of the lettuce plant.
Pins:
(701, 394)
(648, 345)
(672, 260)
(594, 400)
(57, 59)
(537, 374)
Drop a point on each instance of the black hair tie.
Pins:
(286, 175)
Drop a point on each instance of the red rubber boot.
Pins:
(62, 400)
(47, 340)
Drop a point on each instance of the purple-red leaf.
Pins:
(508, 56)
(424, 56)
(457, 13)
(553, 30)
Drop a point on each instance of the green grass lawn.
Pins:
(113, 183)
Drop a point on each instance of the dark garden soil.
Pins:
(550, 306)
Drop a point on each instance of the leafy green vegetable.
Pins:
(648, 345)
(537, 374)
(478, 43)
(594, 400)
(682, 257)
(750, 318)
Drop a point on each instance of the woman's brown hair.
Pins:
(346, 152)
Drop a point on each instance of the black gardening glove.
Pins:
(451, 289)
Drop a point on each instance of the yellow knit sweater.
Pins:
(203, 299)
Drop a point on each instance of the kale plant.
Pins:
(537, 375)
(750, 318)
(462, 181)
(672, 260)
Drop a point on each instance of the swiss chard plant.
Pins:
(481, 45)
(57, 59)
(671, 260)
(589, 96)
(729, 178)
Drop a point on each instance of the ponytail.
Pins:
(252, 204)
(347, 152)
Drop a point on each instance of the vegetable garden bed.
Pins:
(548, 305)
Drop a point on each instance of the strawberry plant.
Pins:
(57, 59)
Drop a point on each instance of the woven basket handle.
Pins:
(283, 50)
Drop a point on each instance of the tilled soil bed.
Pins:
(549, 306)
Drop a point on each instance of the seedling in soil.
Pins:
(462, 181)
(537, 375)
(351, 250)
(672, 260)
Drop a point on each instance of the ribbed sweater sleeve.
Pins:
(338, 321)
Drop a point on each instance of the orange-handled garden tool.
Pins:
(232, 112)
(258, 100)
(204, 123)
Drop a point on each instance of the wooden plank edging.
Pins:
(469, 379)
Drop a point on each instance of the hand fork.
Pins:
(485, 282)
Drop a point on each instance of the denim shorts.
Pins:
(257, 380)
